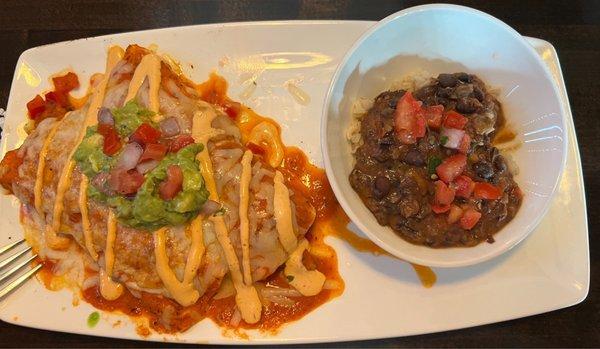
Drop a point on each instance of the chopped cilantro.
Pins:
(289, 278)
(443, 140)
(432, 164)
(93, 319)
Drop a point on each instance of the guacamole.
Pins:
(129, 117)
(146, 209)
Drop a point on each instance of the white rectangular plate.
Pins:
(383, 296)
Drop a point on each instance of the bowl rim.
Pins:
(340, 194)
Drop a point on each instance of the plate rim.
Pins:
(274, 339)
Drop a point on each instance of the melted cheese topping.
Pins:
(265, 132)
(307, 282)
(149, 67)
(54, 241)
(283, 214)
(109, 289)
(39, 179)
(243, 213)
(246, 297)
(183, 292)
(115, 54)
(85, 219)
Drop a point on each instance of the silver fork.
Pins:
(11, 262)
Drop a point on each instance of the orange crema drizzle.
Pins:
(263, 136)
(300, 174)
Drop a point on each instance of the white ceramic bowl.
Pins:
(448, 38)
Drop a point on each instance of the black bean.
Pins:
(467, 105)
(397, 222)
(381, 155)
(464, 77)
(483, 169)
(381, 187)
(500, 164)
(430, 100)
(409, 207)
(447, 80)
(462, 91)
(424, 92)
(387, 140)
(445, 92)
(441, 100)
(478, 93)
(415, 158)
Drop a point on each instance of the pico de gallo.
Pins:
(146, 171)
(427, 166)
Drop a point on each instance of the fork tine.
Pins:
(10, 246)
(17, 282)
(12, 258)
(14, 269)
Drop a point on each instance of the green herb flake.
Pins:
(289, 278)
(443, 140)
(432, 164)
(93, 319)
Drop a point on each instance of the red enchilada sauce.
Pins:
(164, 315)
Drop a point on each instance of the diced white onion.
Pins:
(454, 137)
(169, 127)
(210, 207)
(105, 117)
(146, 166)
(130, 156)
(90, 282)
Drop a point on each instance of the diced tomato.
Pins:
(455, 120)
(9, 169)
(233, 110)
(180, 142)
(443, 194)
(59, 98)
(66, 83)
(112, 142)
(126, 182)
(465, 144)
(145, 134)
(454, 214)
(154, 151)
(469, 218)
(433, 116)
(169, 188)
(464, 186)
(484, 190)
(440, 208)
(451, 167)
(255, 148)
(408, 119)
(36, 106)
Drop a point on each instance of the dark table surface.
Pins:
(572, 26)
